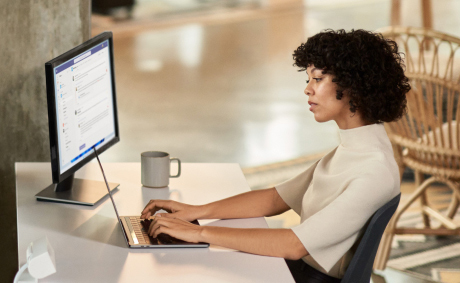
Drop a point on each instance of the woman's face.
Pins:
(322, 98)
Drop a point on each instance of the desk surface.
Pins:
(89, 245)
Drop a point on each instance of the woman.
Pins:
(357, 80)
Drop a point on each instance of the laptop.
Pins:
(135, 229)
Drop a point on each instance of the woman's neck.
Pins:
(354, 120)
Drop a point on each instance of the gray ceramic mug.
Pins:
(156, 167)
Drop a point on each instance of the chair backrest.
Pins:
(360, 268)
(429, 130)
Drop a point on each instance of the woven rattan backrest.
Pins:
(429, 130)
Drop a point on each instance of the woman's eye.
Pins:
(316, 79)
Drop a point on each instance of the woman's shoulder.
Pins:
(375, 167)
(341, 159)
(378, 175)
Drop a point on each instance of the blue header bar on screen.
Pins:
(75, 60)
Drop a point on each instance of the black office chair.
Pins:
(360, 268)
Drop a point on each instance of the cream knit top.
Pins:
(337, 195)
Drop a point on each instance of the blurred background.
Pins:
(213, 80)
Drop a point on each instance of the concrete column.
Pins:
(32, 32)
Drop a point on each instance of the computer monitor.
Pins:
(82, 115)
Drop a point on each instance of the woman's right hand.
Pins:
(175, 209)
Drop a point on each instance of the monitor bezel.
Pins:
(52, 119)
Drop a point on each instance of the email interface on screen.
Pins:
(84, 104)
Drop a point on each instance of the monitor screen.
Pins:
(84, 105)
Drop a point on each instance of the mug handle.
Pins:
(178, 162)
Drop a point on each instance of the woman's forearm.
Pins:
(250, 204)
(269, 242)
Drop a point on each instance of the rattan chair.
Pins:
(427, 138)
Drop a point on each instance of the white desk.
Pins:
(89, 244)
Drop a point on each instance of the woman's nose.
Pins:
(307, 91)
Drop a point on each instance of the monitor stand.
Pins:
(76, 191)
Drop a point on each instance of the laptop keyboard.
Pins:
(141, 232)
(140, 228)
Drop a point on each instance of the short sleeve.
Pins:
(331, 232)
(293, 190)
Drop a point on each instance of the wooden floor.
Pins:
(218, 85)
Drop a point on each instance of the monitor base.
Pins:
(83, 192)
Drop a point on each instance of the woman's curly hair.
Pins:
(365, 66)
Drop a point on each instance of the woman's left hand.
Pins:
(176, 228)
